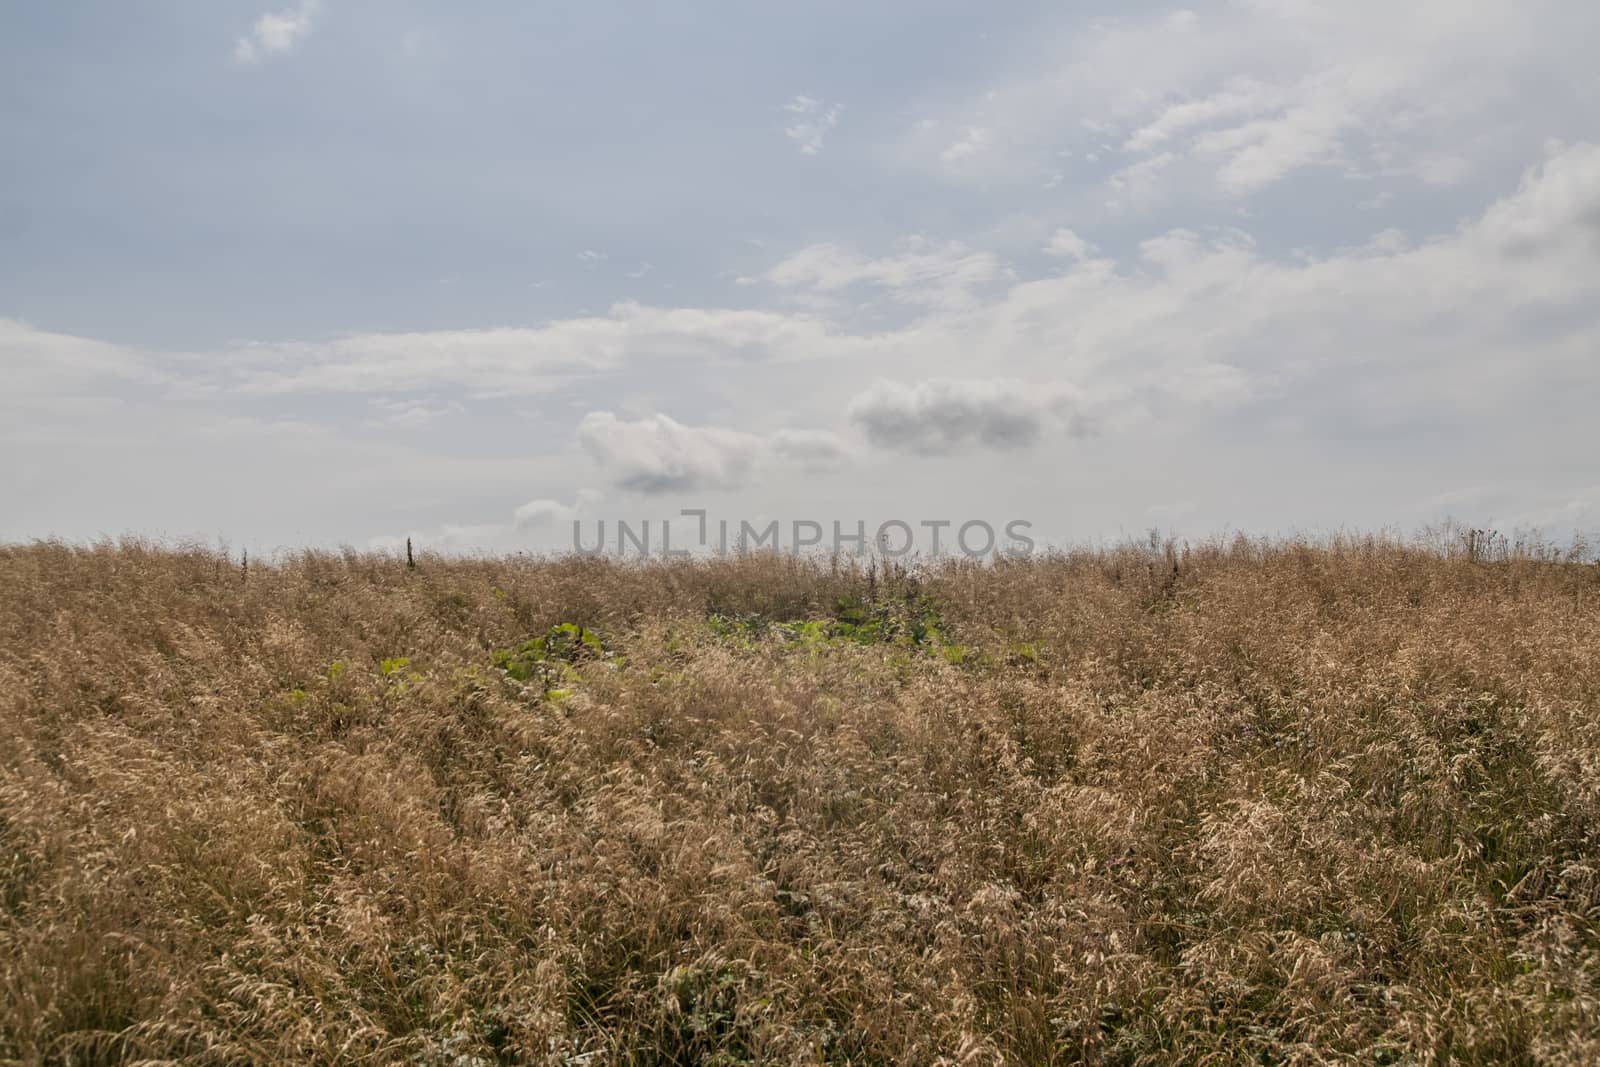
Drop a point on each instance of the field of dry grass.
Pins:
(1241, 803)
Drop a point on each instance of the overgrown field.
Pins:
(1240, 803)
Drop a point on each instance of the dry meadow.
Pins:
(1242, 802)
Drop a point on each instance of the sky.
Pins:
(281, 273)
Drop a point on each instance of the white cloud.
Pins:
(1509, 507)
(1231, 102)
(968, 144)
(1182, 20)
(812, 123)
(1578, 511)
(539, 525)
(808, 450)
(40, 363)
(1191, 299)
(1305, 126)
(553, 513)
(276, 32)
(1065, 244)
(1441, 170)
(1513, 286)
(407, 413)
(1556, 210)
(660, 455)
(528, 360)
(1142, 182)
(921, 271)
(1389, 334)
(1242, 97)
(1477, 342)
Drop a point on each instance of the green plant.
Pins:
(552, 659)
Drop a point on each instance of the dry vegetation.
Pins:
(1243, 803)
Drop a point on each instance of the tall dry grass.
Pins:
(1240, 803)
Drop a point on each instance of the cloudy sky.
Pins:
(289, 272)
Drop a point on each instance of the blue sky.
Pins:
(341, 272)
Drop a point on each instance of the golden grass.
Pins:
(1242, 803)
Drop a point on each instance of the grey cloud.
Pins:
(944, 414)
